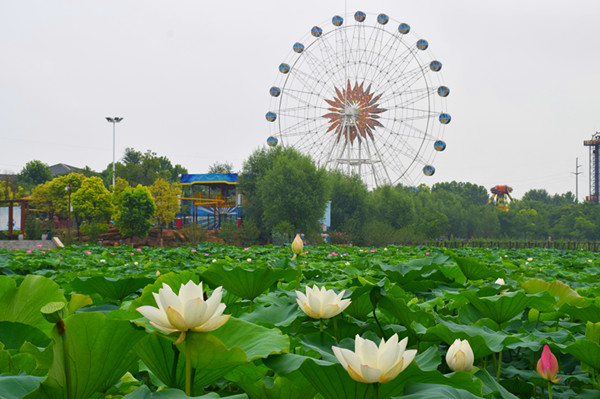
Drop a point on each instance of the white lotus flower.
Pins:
(186, 311)
(500, 281)
(460, 356)
(321, 304)
(369, 363)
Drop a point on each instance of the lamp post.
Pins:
(114, 121)
(68, 188)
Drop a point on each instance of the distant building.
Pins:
(63, 169)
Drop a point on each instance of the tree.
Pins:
(144, 169)
(135, 210)
(348, 203)
(392, 205)
(35, 173)
(257, 164)
(221, 167)
(52, 197)
(92, 202)
(293, 190)
(166, 198)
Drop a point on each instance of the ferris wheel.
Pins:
(362, 95)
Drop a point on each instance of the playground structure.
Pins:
(212, 199)
(500, 197)
(594, 145)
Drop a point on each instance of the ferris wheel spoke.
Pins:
(307, 80)
(408, 97)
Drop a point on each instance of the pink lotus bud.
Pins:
(547, 366)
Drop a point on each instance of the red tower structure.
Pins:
(594, 145)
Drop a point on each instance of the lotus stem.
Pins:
(67, 365)
(549, 390)
(188, 370)
(379, 324)
(321, 331)
(298, 274)
(499, 366)
(175, 361)
(335, 329)
(376, 390)
(538, 319)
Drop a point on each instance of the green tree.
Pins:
(52, 197)
(92, 202)
(257, 164)
(166, 198)
(293, 191)
(135, 211)
(348, 203)
(144, 169)
(392, 205)
(34, 173)
(221, 167)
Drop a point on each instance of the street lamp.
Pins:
(114, 121)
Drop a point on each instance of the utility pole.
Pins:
(577, 173)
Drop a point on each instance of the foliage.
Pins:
(135, 210)
(293, 191)
(9, 189)
(52, 197)
(194, 233)
(271, 349)
(144, 168)
(34, 173)
(33, 228)
(92, 202)
(166, 198)
(221, 167)
(93, 230)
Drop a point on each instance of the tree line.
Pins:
(286, 193)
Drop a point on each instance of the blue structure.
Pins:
(213, 198)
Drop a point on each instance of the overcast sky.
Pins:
(191, 80)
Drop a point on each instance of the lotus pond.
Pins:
(508, 305)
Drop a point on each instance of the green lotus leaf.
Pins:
(214, 353)
(475, 270)
(403, 313)
(584, 314)
(90, 357)
(17, 386)
(110, 288)
(144, 392)
(558, 289)
(418, 390)
(17, 304)
(333, 382)
(586, 351)
(500, 308)
(483, 341)
(274, 309)
(491, 386)
(13, 335)
(245, 283)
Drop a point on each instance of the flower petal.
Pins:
(212, 324)
(176, 319)
(155, 315)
